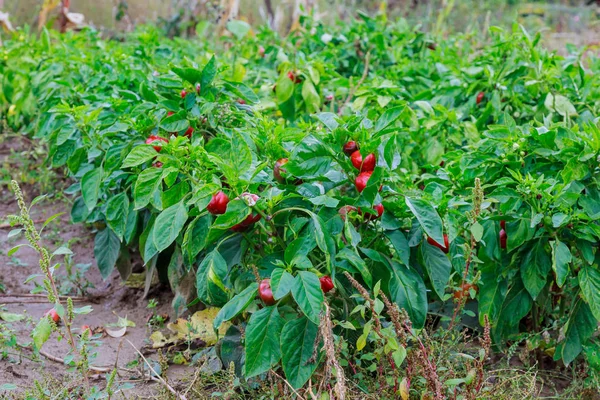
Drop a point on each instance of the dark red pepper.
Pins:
(350, 147)
(326, 283)
(503, 239)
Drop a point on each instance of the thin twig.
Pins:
(158, 377)
(287, 383)
(360, 82)
(45, 296)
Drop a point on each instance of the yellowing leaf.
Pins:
(200, 326)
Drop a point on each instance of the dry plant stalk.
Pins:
(326, 329)
(35, 240)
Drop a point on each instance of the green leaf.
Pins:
(117, 209)
(400, 244)
(239, 28)
(535, 267)
(106, 251)
(284, 89)
(516, 305)
(308, 294)
(281, 283)
(194, 239)
(10, 317)
(236, 305)
(428, 218)
(146, 186)
(79, 211)
(328, 119)
(561, 258)
(242, 90)
(352, 256)
(175, 123)
(209, 279)
(168, 225)
(437, 266)
(477, 231)
(387, 118)
(578, 329)
(191, 75)
(41, 332)
(237, 211)
(589, 282)
(516, 238)
(139, 155)
(311, 97)
(262, 341)
(408, 291)
(297, 347)
(492, 291)
(90, 187)
(208, 74)
(560, 104)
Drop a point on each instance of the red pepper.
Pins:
(278, 170)
(445, 248)
(366, 165)
(265, 293)
(53, 315)
(153, 139)
(503, 239)
(361, 180)
(326, 283)
(218, 203)
(350, 147)
(480, 97)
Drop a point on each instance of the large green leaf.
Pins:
(41, 332)
(139, 155)
(561, 258)
(90, 187)
(578, 329)
(210, 278)
(589, 282)
(146, 186)
(408, 291)
(106, 250)
(168, 225)
(117, 209)
(535, 267)
(194, 239)
(400, 244)
(262, 341)
(208, 74)
(297, 347)
(492, 291)
(237, 211)
(282, 283)
(236, 305)
(428, 218)
(515, 307)
(310, 96)
(308, 294)
(437, 265)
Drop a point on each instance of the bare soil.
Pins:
(108, 298)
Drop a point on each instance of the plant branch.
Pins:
(360, 82)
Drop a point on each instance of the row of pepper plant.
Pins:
(252, 173)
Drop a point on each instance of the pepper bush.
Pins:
(483, 193)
